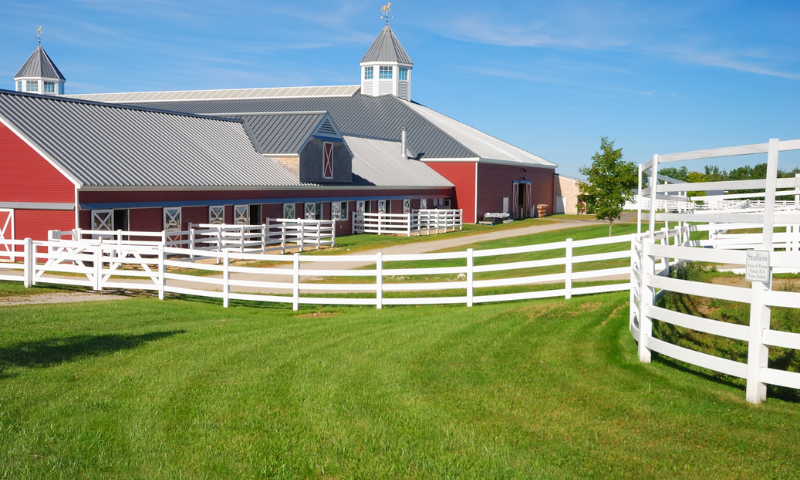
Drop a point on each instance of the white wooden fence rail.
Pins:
(417, 221)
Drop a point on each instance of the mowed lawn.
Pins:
(141, 388)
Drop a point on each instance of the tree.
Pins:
(610, 182)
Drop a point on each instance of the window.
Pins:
(32, 86)
(241, 214)
(385, 73)
(403, 73)
(172, 218)
(19, 85)
(423, 203)
(288, 210)
(61, 89)
(406, 205)
(314, 211)
(367, 73)
(339, 210)
(216, 215)
(381, 206)
(49, 87)
(327, 160)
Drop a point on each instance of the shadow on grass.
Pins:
(53, 351)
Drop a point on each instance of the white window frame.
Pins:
(338, 210)
(406, 205)
(289, 210)
(361, 207)
(216, 214)
(52, 85)
(423, 203)
(403, 74)
(172, 218)
(368, 73)
(241, 214)
(324, 147)
(29, 83)
(313, 210)
(385, 73)
(103, 220)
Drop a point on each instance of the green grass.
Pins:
(538, 389)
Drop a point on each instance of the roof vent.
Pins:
(403, 142)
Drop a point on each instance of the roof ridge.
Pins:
(402, 102)
(287, 112)
(65, 99)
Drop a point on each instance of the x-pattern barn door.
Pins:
(327, 160)
(241, 215)
(6, 227)
(103, 220)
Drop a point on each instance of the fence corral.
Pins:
(415, 222)
(728, 249)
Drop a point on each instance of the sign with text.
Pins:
(757, 266)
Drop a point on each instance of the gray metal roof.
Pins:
(280, 132)
(484, 145)
(360, 115)
(111, 145)
(233, 94)
(386, 48)
(39, 65)
(378, 162)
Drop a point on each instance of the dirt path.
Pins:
(61, 297)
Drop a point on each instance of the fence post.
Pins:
(98, 267)
(283, 238)
(379, 280)
(757, 352)
(28, 265)
(470, 276)
(409, 224)
(568, 271)
(264, 237)
(302, 230)
(319, 233)
(226, 278)
(647, 267)
(192, 240)
(380, 218)
(296, 282)
(665, 241)
(333, 234)
(241, 238)
(162, 272)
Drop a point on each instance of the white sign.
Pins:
(757, 266)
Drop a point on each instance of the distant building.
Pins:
(566, 195)
(152, 160)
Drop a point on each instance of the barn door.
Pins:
(103, 220)
(241, 214)
(528, 200)
(515, 200)
(288, 210)
(6, 229)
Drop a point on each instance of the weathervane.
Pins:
(39, 36)
(386, 12)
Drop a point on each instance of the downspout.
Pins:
(403, 142)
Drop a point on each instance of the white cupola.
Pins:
(39, 74)
(386, 68)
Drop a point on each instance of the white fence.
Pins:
(728, 250)
(418, 221)
(267, 237)
(299, 279)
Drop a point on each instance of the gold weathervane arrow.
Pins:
(386, 12)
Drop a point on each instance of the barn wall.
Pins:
(495, 182)
(462, 175)
(569, 188)
(27, 177)
(35, 223)
(146, 220)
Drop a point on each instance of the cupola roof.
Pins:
(387, 48)
(39, 65)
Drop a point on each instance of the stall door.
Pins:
(515, 201)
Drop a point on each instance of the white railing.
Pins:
(300, 279)
(730, 249)
(416, 222)
(273, 235)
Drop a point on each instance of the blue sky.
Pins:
(550, 77)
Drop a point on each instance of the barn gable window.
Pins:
(327, 160)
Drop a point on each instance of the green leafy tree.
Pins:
(610, 182)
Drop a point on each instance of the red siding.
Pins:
(462, 175)
(35, 223)
(495, 182)
(193, 214)
(27, 177)
(146, 220)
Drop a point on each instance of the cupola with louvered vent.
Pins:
(386, 68)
